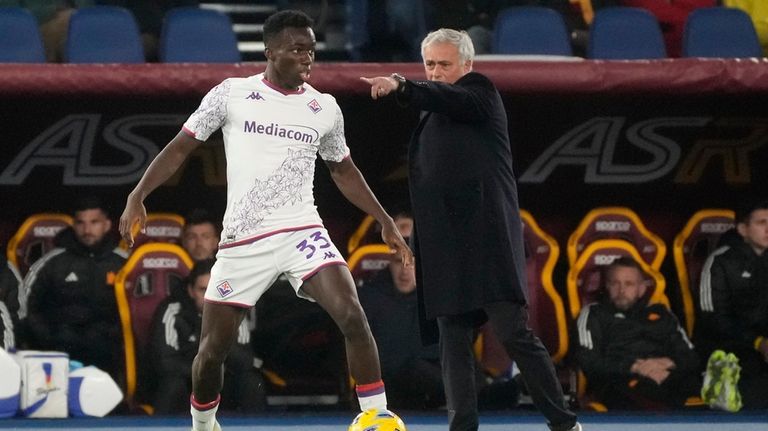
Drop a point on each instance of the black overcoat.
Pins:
(468, 233)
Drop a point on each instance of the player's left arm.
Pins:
(352, 185)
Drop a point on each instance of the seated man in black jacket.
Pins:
(71, 303)
(635, 355)
(733, 303)
(175, 339)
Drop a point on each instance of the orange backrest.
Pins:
(140, 286)
(367, 260)
(585, 284)
(35, 238)
(547, 311)
(364, 234)
(692, 245)
(160, 227)
(619, 223)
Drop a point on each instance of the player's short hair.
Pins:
(90, 203)
(460, 39)
(201, 268)
(284, 19)
(749, 205)
(201, 216)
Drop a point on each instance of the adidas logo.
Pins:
(746, 274)
(71, 278)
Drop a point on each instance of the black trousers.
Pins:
(510, 323)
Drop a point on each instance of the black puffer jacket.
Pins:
(732, 299)
(71, 301)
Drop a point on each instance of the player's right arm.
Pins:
(162, 167)
(208, 117)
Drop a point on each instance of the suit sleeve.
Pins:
(591, 354)
(471, 99)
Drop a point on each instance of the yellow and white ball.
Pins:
(377, 420)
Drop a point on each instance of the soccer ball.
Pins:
(377, 420)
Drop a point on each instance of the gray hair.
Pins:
(460, 39)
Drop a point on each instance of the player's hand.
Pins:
(134, 212)
(395, 241)
(380, 85)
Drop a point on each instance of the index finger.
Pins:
(368, 81)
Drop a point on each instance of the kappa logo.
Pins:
(224, 289)
(314, 106)
(255, 95)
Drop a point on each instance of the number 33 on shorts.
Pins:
(316, 242)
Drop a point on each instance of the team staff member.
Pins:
(468, 236)
(274, 125)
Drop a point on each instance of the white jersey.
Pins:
(271, 138)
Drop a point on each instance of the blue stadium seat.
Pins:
(198, 36)
(103, 34)
(531, 30)
(625, 33)
(20, 40)
(720, 32)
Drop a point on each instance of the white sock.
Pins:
(372, 396)
(203, 415)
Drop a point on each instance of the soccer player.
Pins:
(274, 124)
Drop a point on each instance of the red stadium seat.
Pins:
(692, 245)
(35, 238)
(547, 311)
(160, 227)
(144, 281)
(368, 260)
(585, 284)
(619, 223)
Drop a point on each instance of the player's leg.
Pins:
(510, 323)
(219, 331)
(333, 289)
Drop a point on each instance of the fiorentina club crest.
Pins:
(224, 289)
(314, 106)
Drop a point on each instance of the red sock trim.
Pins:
(370, 389)
(206, 406)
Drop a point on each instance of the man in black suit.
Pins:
(468, 237)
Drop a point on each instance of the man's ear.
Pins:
(268, 53)
(467, 66)
(742, 229)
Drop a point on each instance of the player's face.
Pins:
(91, 226)
(200, 241)
(442, 63)
(755, 231)
(197, 290)
(292, 53)
(625, 286)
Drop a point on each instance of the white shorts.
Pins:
(243, 273)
